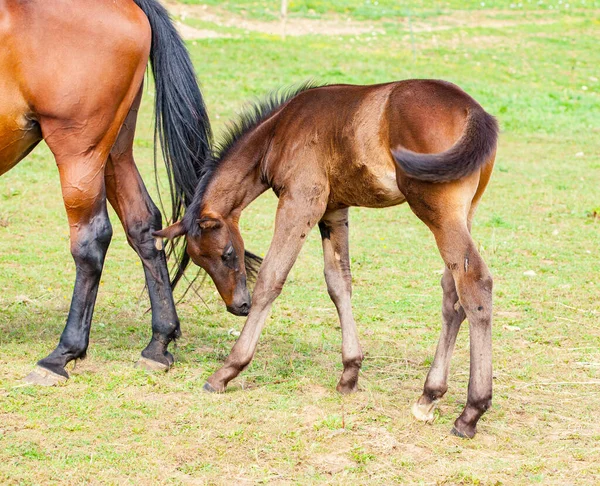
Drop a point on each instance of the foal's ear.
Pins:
(209, 223)
(171, 232)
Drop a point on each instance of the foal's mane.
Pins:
(252, 115)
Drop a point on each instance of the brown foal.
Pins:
(324, 149)
(71, 74)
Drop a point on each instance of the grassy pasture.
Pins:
(282, 422)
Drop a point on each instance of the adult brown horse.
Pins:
(71, 74)
(324, 149)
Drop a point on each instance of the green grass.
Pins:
(282, 421)
(380, 9)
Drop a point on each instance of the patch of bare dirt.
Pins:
(293, 26)
(337, 25)
(331, 463)
(190, 33)
(481, 19)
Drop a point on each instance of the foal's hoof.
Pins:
(151, 365)
(211, 389)
(43, 377)
(424, 411)
(347, 388)
(463, 431)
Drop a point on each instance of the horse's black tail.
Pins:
(469, 153)
(182, 124)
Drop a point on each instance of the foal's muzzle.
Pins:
(240, 310)
(241, 300)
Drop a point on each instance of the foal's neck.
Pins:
(238, 179)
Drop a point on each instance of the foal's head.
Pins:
(216, 245)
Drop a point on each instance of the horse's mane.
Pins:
(252, 115)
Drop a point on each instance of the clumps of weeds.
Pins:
(594, 214)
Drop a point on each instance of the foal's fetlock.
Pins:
(349, 380)
(465, 426)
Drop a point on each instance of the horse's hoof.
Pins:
(424, 412)
(151, 365)
(44, 377)
(169, 357)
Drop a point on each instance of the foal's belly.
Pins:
(371, 186)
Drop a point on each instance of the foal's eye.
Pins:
(228, 253)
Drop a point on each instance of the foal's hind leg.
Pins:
(140, 217)
(436, 383)
(334, 235)
(446, 209)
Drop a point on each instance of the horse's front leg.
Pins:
(296, 216)
(334, 235)
(140, 217)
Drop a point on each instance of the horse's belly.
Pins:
(18, 136)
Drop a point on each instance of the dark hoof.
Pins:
(169, 357)
(44, 377)
(462, 435)
(151, 365)
(208, 388)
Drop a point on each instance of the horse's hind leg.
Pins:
(334, 236)
(140, 217)
(81, 172)
(436, 383)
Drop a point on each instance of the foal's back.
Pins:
(348, 132)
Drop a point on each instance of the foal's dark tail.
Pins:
(469, 153)
(182, 124)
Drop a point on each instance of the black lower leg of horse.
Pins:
(436, 383)
(334, 236)
(88, 250)
(140, 217)
(165, 323)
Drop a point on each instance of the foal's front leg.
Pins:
(334, 235)
(295, 217)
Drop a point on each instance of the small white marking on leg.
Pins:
(466, 264)
(158, 243)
